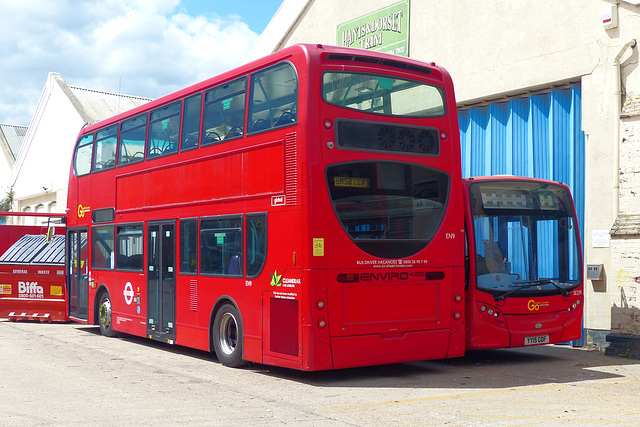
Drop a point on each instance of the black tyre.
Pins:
(104, 316)
(228, 336)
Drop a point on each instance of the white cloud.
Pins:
(142, 47)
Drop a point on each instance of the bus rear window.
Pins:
(389, 209)
(384, 95)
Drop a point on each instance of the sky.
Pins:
(146, 48)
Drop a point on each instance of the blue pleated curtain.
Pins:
(537, 136)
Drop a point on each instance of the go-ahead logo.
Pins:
(534, 305)
(82, 210)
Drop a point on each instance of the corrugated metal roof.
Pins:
(94, 105)
(34, 249)
(13, 135)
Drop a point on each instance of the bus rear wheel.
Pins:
(104, 316)
(228, 336)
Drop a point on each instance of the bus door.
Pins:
(78, 273)
(161, 281)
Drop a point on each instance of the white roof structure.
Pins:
(40, 174)
(289, 13)
(11, 138)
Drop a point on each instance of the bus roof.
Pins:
(297, 49)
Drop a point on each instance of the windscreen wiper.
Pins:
(546, 282)
(524, 284)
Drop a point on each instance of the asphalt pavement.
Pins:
(68, 374)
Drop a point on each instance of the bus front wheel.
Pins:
(104, 316)
(228, 336)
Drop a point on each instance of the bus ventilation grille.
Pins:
(193, 300)
(291, 168)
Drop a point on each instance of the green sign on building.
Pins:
(385, 30)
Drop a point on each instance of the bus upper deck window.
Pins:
(82, 156)
(104, 153)
(131, 141)
(224, 111)
(164, 130)
(191, 122)
(274, 98)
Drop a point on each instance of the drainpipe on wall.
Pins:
(617, 105)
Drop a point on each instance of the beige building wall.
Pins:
(496, 48)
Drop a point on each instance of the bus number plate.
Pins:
(540, 339)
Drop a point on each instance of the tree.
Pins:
(5, 205)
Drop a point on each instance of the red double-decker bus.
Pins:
(525, 283)
(303, 210)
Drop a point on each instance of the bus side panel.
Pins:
(363, 350)
(281, 320)
(193, 337)
(191, 331)
(458, 337)
(573, 326)
(316, 342)
(159, 184)
(484, 332)
(124, 316)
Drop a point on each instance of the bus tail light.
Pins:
(348, 278)
(457, 315)
(322, 323)
(320, 304)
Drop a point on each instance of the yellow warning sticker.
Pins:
(318, 246)
(56, 291)
(5, 289)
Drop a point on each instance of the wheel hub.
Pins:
(228, 333)
(105, 314)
